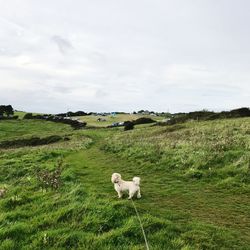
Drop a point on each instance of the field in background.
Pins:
(92, 120)
(195, 186)
(12, 129)
(21, 114)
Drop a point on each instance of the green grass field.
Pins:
(195, 187)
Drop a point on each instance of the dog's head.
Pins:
(115, 178)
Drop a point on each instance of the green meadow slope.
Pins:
(195, 187)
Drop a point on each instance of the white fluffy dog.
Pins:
(131, 186)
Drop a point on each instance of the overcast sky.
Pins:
(126, 55)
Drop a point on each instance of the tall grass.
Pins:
(215, 151)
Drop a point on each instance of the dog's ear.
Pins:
(112, 178)
(115, 177)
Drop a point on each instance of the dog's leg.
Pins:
(119, 194)
(139, 193)
(131, 194)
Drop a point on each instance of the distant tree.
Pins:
(80, 113)
(9, 110)
(140, 111)
(6, 109)
(2, 110)
(70, 113)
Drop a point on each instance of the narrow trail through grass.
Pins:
(165, 195)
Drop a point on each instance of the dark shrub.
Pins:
(128, 125)
(28, 116)
(143, 120)
(241, 112)
(199, 115)
(207, 115)
(53, 118)
(9, 117)
(74, 123)
(6, 109)
(235, 113)
(70, 113)
(33, 141)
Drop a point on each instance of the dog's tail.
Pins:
(137, 180)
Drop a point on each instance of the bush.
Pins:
(14, 117)
(7, 110)
(128, 125)
(33, 141)
(143, 120)
(74, 123)
(208, 115)
(70, 113)
(28, 116)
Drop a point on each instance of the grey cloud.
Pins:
(100, 93)
(63, 44)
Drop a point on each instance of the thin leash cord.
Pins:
(144, 235)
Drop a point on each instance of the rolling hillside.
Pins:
(195, 186)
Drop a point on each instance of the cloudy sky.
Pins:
(105, 55)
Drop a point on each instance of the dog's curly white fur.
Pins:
(121, 186)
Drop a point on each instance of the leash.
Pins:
(144, 235)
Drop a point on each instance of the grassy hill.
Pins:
(195, 187)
